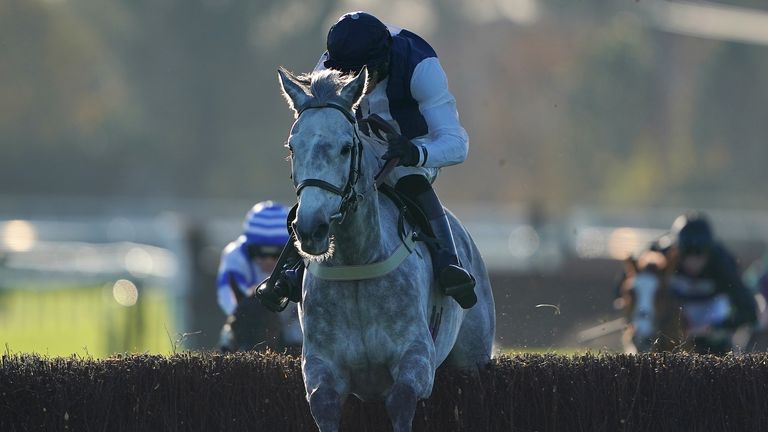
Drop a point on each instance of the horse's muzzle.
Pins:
(313, 237)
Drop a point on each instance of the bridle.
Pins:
(350, 197)
(348, 193)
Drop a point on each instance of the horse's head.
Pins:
(325, 152)
(646, 297)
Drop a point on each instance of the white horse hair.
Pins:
(379, 338)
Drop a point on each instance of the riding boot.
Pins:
(454, 280)
(283, 285)
(289, 281)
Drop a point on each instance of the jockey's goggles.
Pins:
(264, 251)
(695, 250)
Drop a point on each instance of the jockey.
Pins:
(251, 257)
(707, 280)
(408, 88)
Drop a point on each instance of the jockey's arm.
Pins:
(232, 265)
(447, 142)
(224, 294)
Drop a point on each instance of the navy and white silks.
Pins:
(235, 264)
(416, 100)
(717, 296)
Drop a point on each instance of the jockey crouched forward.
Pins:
(408, 88)
(244, 263)
(707, 282)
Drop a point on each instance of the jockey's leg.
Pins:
(454, 280)
(287, 283)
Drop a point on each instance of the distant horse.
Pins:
(758, 338)
(756, 278)
(654, 315)
(382, 332)
(251, 328)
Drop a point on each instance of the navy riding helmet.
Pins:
(356, 40)
(693, 234)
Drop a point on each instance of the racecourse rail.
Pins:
(264, 392)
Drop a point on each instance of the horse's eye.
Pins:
(346, 149)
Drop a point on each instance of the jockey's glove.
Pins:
(402, 148)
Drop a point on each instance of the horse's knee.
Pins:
(325, 406)
(413, 381)
(416, 369)
(401, 405)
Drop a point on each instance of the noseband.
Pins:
(348, 194)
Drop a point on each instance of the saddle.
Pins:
(411, 212)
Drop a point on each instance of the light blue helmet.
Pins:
(264, 225)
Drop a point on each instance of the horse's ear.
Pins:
(354, 90)
(295, 94)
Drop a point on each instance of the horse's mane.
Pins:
(652, 261)
(324, 85)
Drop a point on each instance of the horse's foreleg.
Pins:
(324, 399)
(414, 376)
(325, 405)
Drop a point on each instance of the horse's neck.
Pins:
(357, 238)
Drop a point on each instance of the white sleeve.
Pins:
(232, 264)
(226, 298)
(447, 142)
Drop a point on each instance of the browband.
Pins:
(339, 105)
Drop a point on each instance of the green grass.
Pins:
(85, 320)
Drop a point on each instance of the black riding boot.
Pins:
(276, 291)
(453, 279)
(290, 281)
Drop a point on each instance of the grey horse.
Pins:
(381, 336)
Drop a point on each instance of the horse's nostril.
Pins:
(321, 232)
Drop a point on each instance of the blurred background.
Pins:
(135, 134)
